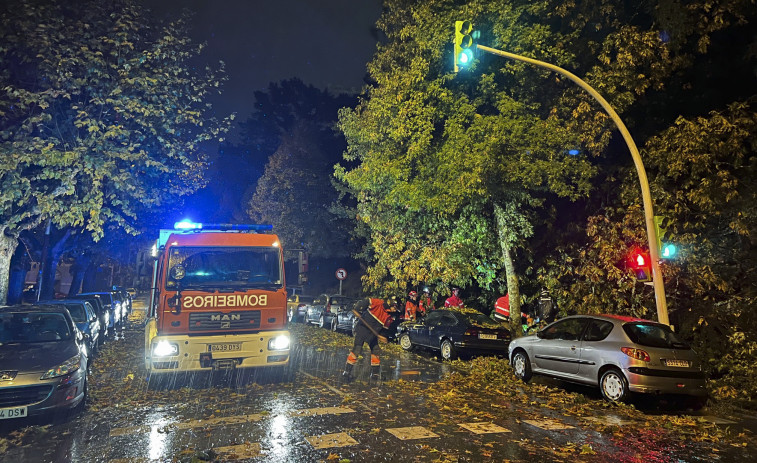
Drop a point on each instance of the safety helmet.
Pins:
(426, 290)
(412, 294)
(393, 301)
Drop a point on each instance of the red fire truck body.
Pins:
(218, 301)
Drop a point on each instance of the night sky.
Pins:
(326, 43)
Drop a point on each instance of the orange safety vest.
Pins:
(378, 312)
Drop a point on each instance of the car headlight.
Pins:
(280, 342)
(165, 349)
(69, 366)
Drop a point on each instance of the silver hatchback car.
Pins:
(618, 354)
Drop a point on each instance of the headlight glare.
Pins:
(280, 342)
(165, 349)
(69, 366)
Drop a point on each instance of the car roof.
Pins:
(65, 301)
(613, 317)
(35, 308)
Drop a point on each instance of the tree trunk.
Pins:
(48, 287)
(512, 278)
(8, 246)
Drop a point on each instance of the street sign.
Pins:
(341, 274)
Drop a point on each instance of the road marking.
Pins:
(610, 420)
(327, 441)
(548, 425)
(483, 428)
(334, 390)
(114, 432)
(717, 420)
(238, 452)
(224, 420)
(412, 432)
(321, 411)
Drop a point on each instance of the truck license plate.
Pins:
(230, 347)
(15, 412)
(487, 336)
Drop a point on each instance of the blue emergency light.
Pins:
(187, 225)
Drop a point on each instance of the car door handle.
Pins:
(572, 347)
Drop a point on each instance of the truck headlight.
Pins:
(69, 366)
(165, 349)
(280, 342)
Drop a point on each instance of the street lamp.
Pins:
(659, 288)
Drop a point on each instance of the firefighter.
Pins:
(426, 305)
(454, 300)
(373, 316)
(412, 310)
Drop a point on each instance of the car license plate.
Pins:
(15, 412)
(224, 347)
(487, 336)
(677, 363)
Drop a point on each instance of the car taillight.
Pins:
(638, 354)
(471, 332)
(301, 306)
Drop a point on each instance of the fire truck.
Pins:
(218, 300)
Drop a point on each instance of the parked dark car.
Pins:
(344, 318)
(456, 331)
(85, 318)
(111, 302)
(325, 307)
(126, 299)
(297, 307)
(43, 359)
(620, 355)
(103, 314)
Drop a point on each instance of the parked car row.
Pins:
(46, 347)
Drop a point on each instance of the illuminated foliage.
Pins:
(102, 116)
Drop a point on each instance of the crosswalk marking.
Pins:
(327, 441)
(321, 411)
(548, 424)
(483, 428)
(238, 452)
(412, 432)
(220, 421)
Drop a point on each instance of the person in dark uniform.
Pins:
(373, 316)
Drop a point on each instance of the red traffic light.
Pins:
(641, 264)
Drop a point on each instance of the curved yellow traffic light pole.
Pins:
(659, 288)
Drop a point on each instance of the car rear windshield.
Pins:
(77, 312)
(479, 320)
(23, 327)
(653, 335)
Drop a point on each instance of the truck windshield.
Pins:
(224, 267)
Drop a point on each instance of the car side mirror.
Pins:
(540, 334)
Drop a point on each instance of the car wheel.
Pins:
(405, 341)
(614, 385)
(522, 366)
(322, 322)
(448, 350)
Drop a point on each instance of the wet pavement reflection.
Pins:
(306, 413)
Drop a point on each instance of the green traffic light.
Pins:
(465, 57)
(669, 251)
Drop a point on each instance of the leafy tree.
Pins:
(296, 193)
(102, 116)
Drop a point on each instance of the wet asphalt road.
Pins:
(308, 415)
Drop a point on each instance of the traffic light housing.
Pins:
(666, 250)
(463, 49)
(641, 264)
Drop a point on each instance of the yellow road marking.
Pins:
(412, 432)
(483, 428)
(321, 411)
(548, 425)
(238, 452)
(327, 441)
